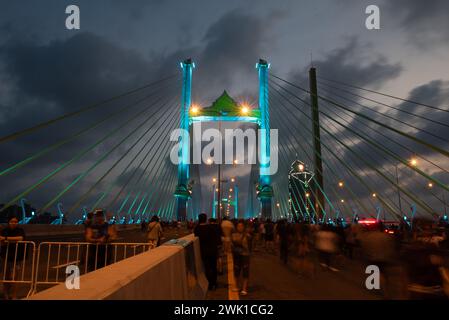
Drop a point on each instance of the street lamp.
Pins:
(430, 185)
(413, 162)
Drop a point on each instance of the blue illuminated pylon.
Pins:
(182, 192)
(265, 191)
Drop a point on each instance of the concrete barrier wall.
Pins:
(171, 271)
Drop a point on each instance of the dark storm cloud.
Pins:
(353, 63)
(435, 93)
(425, 22)
(72, 72)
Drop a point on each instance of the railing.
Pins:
(17, 263)
(22, 264)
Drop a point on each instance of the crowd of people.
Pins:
(413, 261)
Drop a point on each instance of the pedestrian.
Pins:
(213, 222)
(262, 233)
(241, 256)
(284, 240)
(13, 255)
(207, 235)
(326, 242)
(99, 234)
(227, 228)
(154, 233)
(269, 236)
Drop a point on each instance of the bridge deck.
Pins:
(271, 279)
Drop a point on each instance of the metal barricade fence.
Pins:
(17, 263)
(54, 257)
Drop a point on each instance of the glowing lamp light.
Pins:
(232, 180)
(340, 184)
(214, 180)
(430, 185)
(301, 167)
(307, 194)
(209, 161)
(32, 213)
(216, 190)
(342, 200)
(277, 204)
(245, 109)
(374, 195)
(413, 162)
(236, 161)
(194, 109)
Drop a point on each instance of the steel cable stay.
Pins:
(87, 193)
(430, 146)
(412, 196)
(93, 106)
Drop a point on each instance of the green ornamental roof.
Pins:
(225, 106)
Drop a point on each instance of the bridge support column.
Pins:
(318, 201)
(183, 192)
(265, 191)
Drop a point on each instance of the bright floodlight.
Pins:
(194, 109)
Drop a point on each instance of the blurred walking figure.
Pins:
(379, 249)
(207, 235)
(12, 254)
(262, 233)
(227, 228)
(269, 236)
(284, 240)
(154, 232)
(214, 224)
(241, 253)
(326, 242)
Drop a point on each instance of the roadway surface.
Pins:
(271, 279)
